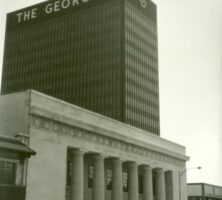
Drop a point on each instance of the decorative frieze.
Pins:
(93, 137)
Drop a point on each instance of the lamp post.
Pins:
(181, 174)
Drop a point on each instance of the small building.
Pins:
(13, 167)
(204, 191)
(82, 155)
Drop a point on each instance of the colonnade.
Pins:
(98, 188)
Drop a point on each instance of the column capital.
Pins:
(116, 160)
(98, 156)
(145, 167)
(131, 163)
(158, 170)
(77, 152)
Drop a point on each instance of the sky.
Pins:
(190, 78)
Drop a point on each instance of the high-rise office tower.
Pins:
(98, 54)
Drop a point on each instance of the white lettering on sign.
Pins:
(48, 9)
(27, 15)
(65, 4)
(56, 6)
(75, 2)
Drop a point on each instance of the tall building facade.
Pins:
(100, 55)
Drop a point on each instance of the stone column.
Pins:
(160, 185)
(117, 184)
(147, 183)
(133, 182)
(77, 175)
(98, 192)
(169, 185)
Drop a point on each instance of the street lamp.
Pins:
(181, 174)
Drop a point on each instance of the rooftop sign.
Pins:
(49, 8)
(45, 11)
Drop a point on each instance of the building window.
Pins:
(90, 176)
(109, 179)
(7, 172)
(196, 198)
(140, 179)
(125, 182)
(154, 185)
(69, 172)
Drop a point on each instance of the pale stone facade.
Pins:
(60, 132)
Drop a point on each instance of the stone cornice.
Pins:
(105, 131)
(52, 126)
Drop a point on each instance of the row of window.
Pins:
(141, 82)
(140, 119)
(140, 18)
(61, 44)
(149, 28)
(144, 126)
(135, 61)
(142, 93)
(65, 55)
(64, 44)
(141, 31)
(138, 91)
(48, 69)
(130, 27)
(134, 104)
(142, 99)
(19, 67)
(135, 44)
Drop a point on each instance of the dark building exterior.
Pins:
(101, 55)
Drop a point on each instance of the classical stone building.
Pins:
(81, 155)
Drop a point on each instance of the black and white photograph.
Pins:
(110, 100)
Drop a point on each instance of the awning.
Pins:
(12, 145)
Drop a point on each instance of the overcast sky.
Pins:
(190, 68)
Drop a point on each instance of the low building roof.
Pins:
(13, 145)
